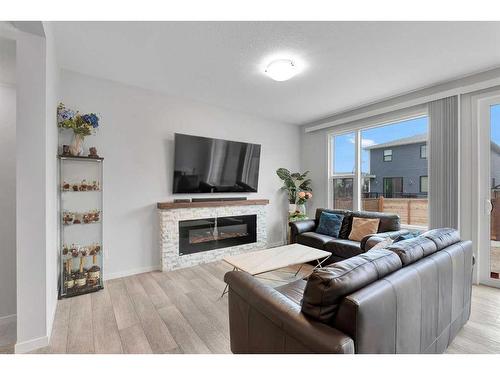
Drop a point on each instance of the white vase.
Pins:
(76, 146)
(301, 208)
(292, 207)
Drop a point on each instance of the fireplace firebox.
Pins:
(215, 233)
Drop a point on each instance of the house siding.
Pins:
(406, 163)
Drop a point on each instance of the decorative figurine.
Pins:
(93, 152)
(81, 280)
(66, 150)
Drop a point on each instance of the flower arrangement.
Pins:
(83, 125)
(303, 196)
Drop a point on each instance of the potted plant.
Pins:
(82, 126)
(298, 187)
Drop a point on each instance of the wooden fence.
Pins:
(495, 216)
(412, 211)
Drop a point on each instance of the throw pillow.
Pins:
(383, 244)
(330, 224)
(407, 236)
(362, 227)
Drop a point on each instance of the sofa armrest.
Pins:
(367, 245)
(262, 320)
(301, 226)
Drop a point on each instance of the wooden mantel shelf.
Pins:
(221, 203)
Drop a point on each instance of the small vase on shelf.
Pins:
(76, 147)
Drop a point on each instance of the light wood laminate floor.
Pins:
(179, 312)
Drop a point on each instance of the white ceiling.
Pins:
(345, 64)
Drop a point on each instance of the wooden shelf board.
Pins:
(221, 203)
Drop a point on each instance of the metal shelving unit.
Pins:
(81, 219)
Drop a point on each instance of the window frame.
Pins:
(384, 155)
(357, 127)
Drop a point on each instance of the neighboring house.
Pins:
(399, 168)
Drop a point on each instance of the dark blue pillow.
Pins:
(407, 236)
(330, 224)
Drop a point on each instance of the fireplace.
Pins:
(214, 233)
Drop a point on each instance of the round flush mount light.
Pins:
(281, 70)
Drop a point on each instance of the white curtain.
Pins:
(443, 163)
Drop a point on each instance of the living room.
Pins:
(249, 186)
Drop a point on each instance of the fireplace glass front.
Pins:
(215, 233)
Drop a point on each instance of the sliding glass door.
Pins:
(382, 168)
(489, 185)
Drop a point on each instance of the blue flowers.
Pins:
(91, 119)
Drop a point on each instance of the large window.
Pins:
(382, 168)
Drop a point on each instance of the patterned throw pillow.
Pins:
(383, 244)
(330, 224)
(362, 227)
(407, 236)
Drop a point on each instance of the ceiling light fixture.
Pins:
(281, 70)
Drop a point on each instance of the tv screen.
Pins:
(208, 165)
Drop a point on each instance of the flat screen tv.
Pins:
(209, 165)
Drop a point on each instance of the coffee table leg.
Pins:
(296, 273)
(226, 287)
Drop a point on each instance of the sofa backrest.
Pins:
(388, 222)
(326, 287)
(417, 309)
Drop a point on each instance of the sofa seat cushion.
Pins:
(314, 239)
(409, 251)
(443, 237)
(293, 290)
(343, 248)
(326, 287)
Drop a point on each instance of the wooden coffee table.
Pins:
(262, 261)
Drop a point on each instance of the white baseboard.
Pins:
(117, 275)
(30, 345)
(8, 319)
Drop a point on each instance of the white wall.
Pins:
(136, 140)
(30, 193)
(52, 98)
(8, 199)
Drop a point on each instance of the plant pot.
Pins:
(76, 147)
(292, 207)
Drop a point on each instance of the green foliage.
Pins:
(294, 183)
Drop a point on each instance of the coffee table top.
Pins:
(275, 258)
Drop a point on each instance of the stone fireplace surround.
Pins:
(171, 213)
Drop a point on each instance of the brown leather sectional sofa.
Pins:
(303, 232)
(412, 297)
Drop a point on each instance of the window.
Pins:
(364, 175)
(424, 184)
(343, 165)
(423, 152)
(387, 155)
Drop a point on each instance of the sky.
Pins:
(495, 123)
(344, 144)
